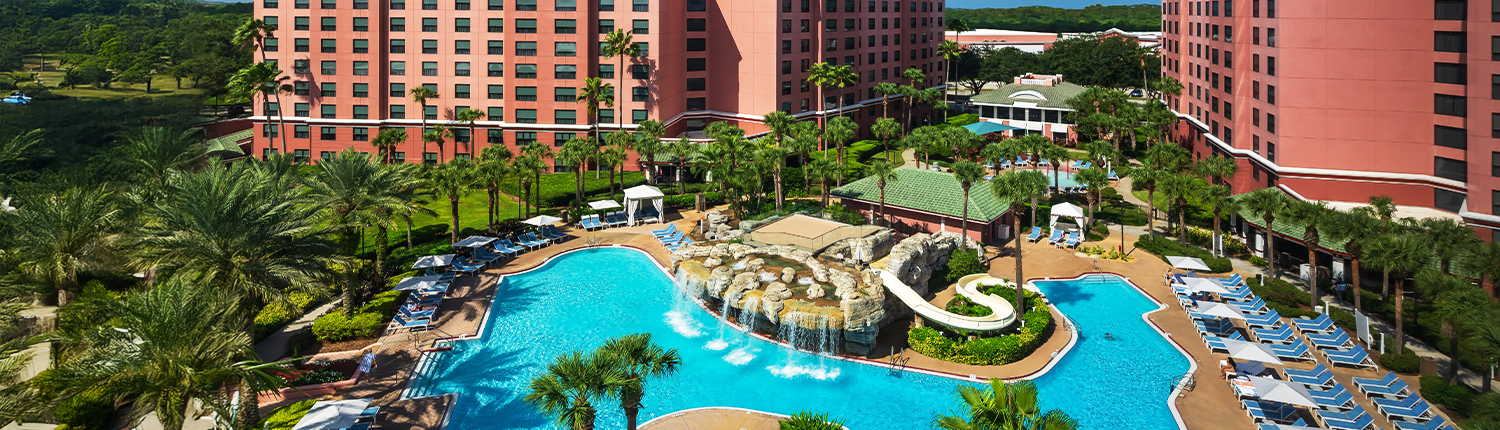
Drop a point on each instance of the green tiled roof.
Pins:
(928, 191)
(1056, 96)
(228, 142)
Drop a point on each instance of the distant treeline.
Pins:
(1141, 17)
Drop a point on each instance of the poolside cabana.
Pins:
(1067, 210)
(642, 197)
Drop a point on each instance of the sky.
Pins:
(1069, 4)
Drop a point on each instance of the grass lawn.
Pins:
(161, 85)
(557, 188)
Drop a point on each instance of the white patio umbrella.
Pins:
(1187, 263)
(332, 414)
(418, 282)
(604, 204)
(1282, 392)
(542, 220)
(433, 261)
(1205, 285)
(474, 242)
(1243, 350)
(1221, 310)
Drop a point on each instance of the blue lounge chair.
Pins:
(1356, 357)
(670, 230)
(1322, 380)
(1417, 412)
(504, 247)
(1402, 403)
(1254, 307)
(1339, 340)
(552, 233)
(1269, 411)
(465, 266)
(442, 277)
(511, 246)
(1036, 234)
(1283, 335)
(1297, 350)
(1057, 235)
(412, 315)
(419, 300)
(399, 323)
(1233, 281)
(1436, 423)
(1073, 241)
(1269, 320)
(672, 239)
(1238, 295)
(1384, 381)
(1321, 324)
(1216, 344)
(1336, 398)
(587, 222)
(1315, 372)
(1389, 386)
(530, 241)
(1354, 419)
(1214, 327)
(478, 255)
(685, 241)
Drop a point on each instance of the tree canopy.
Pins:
(1140, 17)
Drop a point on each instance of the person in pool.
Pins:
(1109, 336)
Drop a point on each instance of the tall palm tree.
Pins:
(575, 153)
(1095, 181)
(648, 143)
(612, 156)
(527, 167)
(1487, 339)
(1483, 259)
(638, 358)
(967, 173)
(809, 421)
(1401, 254)
(886, 90)
(1161, 162)
(421, 94)
(821, 170)
(266, 80)
(883, 173)
(413, 203)
(930, 97)
(1384, 207)
(773, 158)
(843, 77)
(1218, 199)
(58, 236)
(617, 45)
(995, 154)
(1057, 155)
(570, 386)
(840, 131)
(352, 191)
(387, 141)
(911, 91)
(1266, 203)
(1015, 188)
(1100, 152)
(805, 138)
(1216, 169)
(1178, 188)
(494, 166)
(1009, 406)
(470, 117)
(452, 180)
(950, 51)
(1316, 218)
(596, 91)
(252, 34)
(821, 75)
(152, 154)
(781, 125)
(542, 152)
(1355, 229)
(682, 150)
(1458, 305)
(886, 129)
(438, 135)
(1449, 239)
(164, 349)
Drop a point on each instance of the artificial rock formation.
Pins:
(856, 250)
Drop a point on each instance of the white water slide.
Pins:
(968, 286)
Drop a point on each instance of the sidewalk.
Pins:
(273, 347)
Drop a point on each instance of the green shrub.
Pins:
(1164, 247)
(964, 262)
(275, 315)
(286, 417)
(1258, 261)
(963, 120)
(1343, 319)
(1286, 299)
(1458, 398)
(711, 198)
(365, 323)
(963, 306)
(987, 351)
(557, 188)
(89, 410)
(1405, 362)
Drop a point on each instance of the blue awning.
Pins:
(986, 127)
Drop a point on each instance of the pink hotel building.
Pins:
(1339, 100)
(353, 63)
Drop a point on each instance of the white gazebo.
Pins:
(642, 196)
(1067, 210)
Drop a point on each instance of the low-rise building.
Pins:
(924, 201)
(1035, 104)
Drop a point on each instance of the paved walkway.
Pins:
(273, 347)
(909, 158)
(715, 419)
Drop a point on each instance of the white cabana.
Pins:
(1282, 392)
(1187, 263)
(639, 197)
(1205, 285)
(1242, 350)
(433, 261)
(474, 242)
(332, 414)
(1221, 310)
(541, 220)
(604, 204)
(1067, 210)
(418, 282)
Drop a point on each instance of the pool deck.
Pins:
(715, 418)
(1212, 404)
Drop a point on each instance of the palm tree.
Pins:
(575, 153)
(58, 236)
(15, 148)
(995, 154)
(1004, 405)
(264, 79)
(682, 150)
(164, 349)
(527, 167)
(1095, 181)
(353, 191)
(886, 89)
(821, 170)
(439, 135)
(843, 77)
(1057, 155)
(1100, 152)
(421, 94)
(151, 154)
(1483, 259)
(648, 143)
(617, 44)
(1356, 229)
(950, 51)
(840, 131)
(1218, 199)
(1487, 338)
(1449, 239)
(252, 34)
(1384, 207)
(387, 141)
(470, 116)
(1458, 305)
(413, 202)
(821, 75)
(611, 157)
(781, 125)
(883, 173)
(452, 180)
(638, 358)
(1402, 254)
(805, 138)
(571, 385)
(1216, 169)
(596, 91)
(1315, 217)
(931, 97)
(1266, 203)
(542, 152)
(1161, 161)
(809, 421)
(1016, 187)
(886, 129)
(494, 166)
(967, 173)
(1177, 188)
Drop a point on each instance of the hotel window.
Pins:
(496, 47)
(1450, 105)
(1495, 167)
(361, 90)
(429, 4)
(272, 45)
(643, 49)
(461, 47)
(1448, 168)
(461, 91)
(786, 88)
(301, 23)
(566, 116)
(786, 26)
(525, 4)
(697, 84)
(1448, 41)
(637, 116)
(429, 68)
(461, 25)
(1271, 66)
(786, 67)
(301, 156)
(566, 5)
(606, 71)
(496, 70)
(361, 46)
(300, 45)
(606, 26)
(697, 64)
(526, 116)
(566, 49)
(524, 138)
(361, 112)
(526, 94)
(806, 26)
(1457, 137)
(564, 94)
(1255, 117)
(564, 71)
(1255, 63)
(328, 89)
(461, 5)
(697, 45)
(526, 49)
(1449, 10)
(495, 135)
(496, 92)
(606, 116)
(361, 134)
(525, 26)
(429, 25)
(301, 88)
(398, 24)
(398, 90)
(786, 46)
(398, 46)
(526, 71)
(1271, 123)
(640, 6)
(429, 47)
(329, 23)
(329, 46)
(398, 112)
(328, 133)
(329, 67)
(639, 71)
(1271, 37)
(1449, 73)
(565, 26)
(639, 94)
(1271, 94)
(640, 26)
(271, 4)
(697, 103)
(301, 131)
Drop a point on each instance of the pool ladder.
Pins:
(1184, 381)
(897, 360)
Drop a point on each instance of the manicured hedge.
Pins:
(275, 315)
(1406, 362)
(1164, 247)
(1283, 297)
(988, 351)
(686, 200)
(1458, 398)
(365, 323)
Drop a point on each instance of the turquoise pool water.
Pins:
(580, 299)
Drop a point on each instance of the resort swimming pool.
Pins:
(580, 299)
